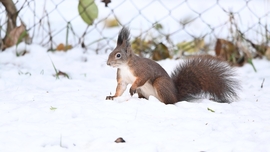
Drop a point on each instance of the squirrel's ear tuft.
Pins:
(123, 37)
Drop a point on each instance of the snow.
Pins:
(42, 113)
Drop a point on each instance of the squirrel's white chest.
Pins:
(126, 74)
(127, 77)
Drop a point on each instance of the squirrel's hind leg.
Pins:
(165, 90)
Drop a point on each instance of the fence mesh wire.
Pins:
(51, 22)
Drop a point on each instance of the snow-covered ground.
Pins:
(41, 113)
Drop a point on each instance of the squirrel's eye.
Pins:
(118, 55)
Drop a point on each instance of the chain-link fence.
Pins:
(51, 22)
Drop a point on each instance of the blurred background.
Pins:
(234, 30)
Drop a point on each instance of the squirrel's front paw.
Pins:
(132, 91)
(110, 97)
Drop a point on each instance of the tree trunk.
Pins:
(11, 15)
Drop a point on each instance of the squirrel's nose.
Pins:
(108, 63)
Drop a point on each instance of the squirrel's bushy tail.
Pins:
(205, 76)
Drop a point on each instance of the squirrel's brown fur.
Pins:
(205, 75)
(197, 76)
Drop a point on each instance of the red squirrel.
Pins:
(201, 76)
